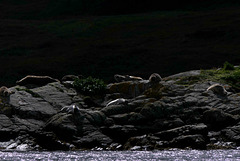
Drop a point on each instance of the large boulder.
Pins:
(192, 141)
(233, 133)
(63, 125)
(8, 129)
(93, 139)
(144, 142)
(159, 109)
(120, 133)
(183, 130)
(217, 119)
(116, 109)
(30, 106)
(56, 94)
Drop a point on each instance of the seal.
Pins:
(117, 102)
(123, 78)
(155, 78)
(5, 92)
(71, 77)
(36, 80)
(217, 89)
(73, 109)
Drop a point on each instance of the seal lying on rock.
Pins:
(117, 102)
(217, 89)
(71, 77)
(73, 109)
(36, 80)
(5, 92)
(154, 78)
(123, 78)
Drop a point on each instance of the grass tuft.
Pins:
(227, 75)
(228, 66)
(90, 86)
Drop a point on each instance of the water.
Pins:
(124, 155)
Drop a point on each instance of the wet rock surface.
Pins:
(149, 116)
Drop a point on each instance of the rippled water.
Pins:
(125, 155)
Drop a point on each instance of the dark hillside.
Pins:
(32, 9)
(166, 42)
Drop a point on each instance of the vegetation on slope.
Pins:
(227, 75)
(166, 42)
(90, 86)
(25, 9)
(96, 7)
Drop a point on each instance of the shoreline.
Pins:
(188, 110)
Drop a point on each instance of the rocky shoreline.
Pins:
(133, 115)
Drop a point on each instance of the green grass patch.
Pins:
(189, 80)
(90, 86)
(228, 66)
(227, 75)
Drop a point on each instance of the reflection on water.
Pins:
(125, 155)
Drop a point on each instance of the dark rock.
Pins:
(7, 128)
(120, 118)
(136, 118)
(90, 102)
(175, 123)
(120, 133)
(6, 110)
(183, 130)
(184, 74)
(94, 139)
(217, 119)
(27, 125)
(144, 142)
(155, 110)
(140, 102)
(233, 133)
(49, 141)
(27, 106)
(55, 94)
(115, 109)
(109, 122)
(96, 117)
(194, 114)
(193, 141)
(235, 111)
(62, 125)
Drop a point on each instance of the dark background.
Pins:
(104, 37)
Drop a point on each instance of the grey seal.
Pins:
(217, 89)
(123, 78)
(36, 80)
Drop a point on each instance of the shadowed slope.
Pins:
(139, 44)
